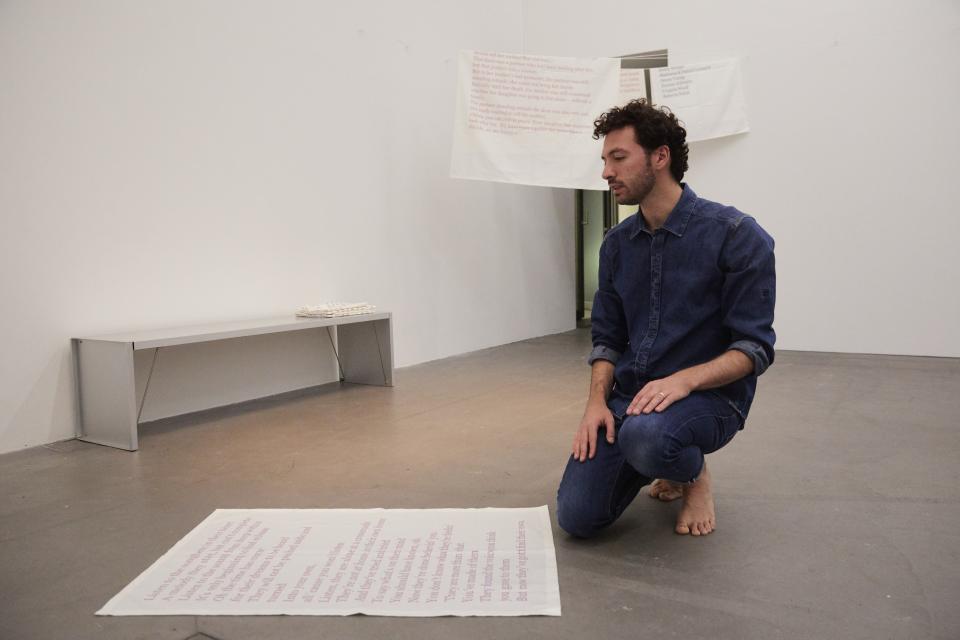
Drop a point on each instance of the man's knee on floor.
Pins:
(579, 518)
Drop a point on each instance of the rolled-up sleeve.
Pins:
(608, 323)
(755, 352)
(749, 292)
(603, 352)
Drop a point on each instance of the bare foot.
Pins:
(665, 490)
(697, 516)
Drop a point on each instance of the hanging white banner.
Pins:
(707, 98)
(529, 119)
(392, 562)
(632, 85)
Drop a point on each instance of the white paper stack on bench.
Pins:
(335, 310)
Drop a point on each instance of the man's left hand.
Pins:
(657, 395)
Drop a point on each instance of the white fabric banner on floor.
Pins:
(529, 119)
(392, 562)
(707, 98)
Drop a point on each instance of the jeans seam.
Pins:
(729, 403)
(702, 415)
(616, 480)
(698, 417)
(684, 424)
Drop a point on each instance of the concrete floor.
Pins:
(838, 506)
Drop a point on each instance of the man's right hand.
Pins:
(585, 441)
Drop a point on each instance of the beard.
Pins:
(640, 189)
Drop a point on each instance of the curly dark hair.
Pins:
(653, 128)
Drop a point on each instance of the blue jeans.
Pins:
(668, 445)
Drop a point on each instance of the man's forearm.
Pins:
(722, 370)
(601, 381)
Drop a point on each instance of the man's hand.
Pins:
(585, 440)
(657, 395)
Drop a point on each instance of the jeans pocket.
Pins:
(729, 426)
(618, 408)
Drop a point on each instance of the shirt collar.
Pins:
(677, 220)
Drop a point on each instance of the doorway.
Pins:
(597, 211)
(594, 218)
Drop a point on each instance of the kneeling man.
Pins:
(682, 326)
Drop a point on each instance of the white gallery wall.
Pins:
(171, 163)
(851, 162)
(181, 162)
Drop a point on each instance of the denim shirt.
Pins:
(670, 299)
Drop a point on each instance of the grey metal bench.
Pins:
(106, 390)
